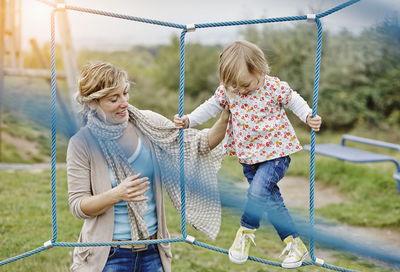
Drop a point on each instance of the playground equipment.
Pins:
(344, 153)
(11, 57)
(313, 18)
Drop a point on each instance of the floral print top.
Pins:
(259, 129)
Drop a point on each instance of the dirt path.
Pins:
(295, 191)
(33, 168)
(26, 149)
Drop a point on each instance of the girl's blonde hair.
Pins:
(236, 58)
(98, 79)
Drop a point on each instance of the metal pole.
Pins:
(71, 125)
(2, 51)
(69, 58)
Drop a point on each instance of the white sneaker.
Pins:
(239, 251)
(297, 252)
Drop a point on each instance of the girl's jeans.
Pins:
(124, 260)
(264, 196)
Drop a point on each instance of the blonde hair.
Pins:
(98, 79)
(236, 58)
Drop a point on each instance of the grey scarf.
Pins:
(107, 136)
(203, 208)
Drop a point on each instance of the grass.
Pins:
(26, 221)
(27, 132)
(25, 224)
(374, 201)
(26, 115)
(370, 187)
(10, 154)
(25, 217)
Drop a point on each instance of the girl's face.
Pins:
(114, 106)
(248, 83)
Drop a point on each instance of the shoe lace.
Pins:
(245, 239)
(292, 249)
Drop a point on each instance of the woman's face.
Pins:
(114, 106)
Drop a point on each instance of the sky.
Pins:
(99, 32)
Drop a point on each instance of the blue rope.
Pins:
(125, 17)
(26, 254)
(181, 151)
(224, 251)
(250, 22)
(141, 242)
(336, 268)
(337, 8)
(314, 113)
(255, 259)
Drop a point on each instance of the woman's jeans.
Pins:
(126, 260)
(264, 196)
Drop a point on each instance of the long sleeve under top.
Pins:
(259, 129)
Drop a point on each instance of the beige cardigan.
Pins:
(88, 175)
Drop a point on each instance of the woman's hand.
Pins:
(225, 115)
(217, 133)
(181, 122)
(314, 123)
(132, 189)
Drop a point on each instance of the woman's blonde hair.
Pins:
(98, 79)
(236, 58)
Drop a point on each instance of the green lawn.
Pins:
(25, 217)
(25, 224)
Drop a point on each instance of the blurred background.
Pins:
(359, 94)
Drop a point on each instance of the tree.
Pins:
(382, 60)
(200, 68)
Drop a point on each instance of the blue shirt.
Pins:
(141, 161)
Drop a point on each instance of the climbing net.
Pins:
(314, 18)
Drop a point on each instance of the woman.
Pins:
(116, 165)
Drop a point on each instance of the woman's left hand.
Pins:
(314, 122)
(217, 132)
(225, 115)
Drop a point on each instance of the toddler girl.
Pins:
(262, 138)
